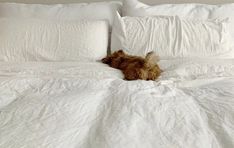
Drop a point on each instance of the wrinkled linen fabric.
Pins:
(171, 36)
(72, 12)
(89, 105)
(188, 10)
(42, 40)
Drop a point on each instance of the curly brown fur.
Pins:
(134, 67)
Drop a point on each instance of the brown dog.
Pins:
(134, 67)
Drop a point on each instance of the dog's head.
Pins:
(115, 59)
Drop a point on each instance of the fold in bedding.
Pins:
(89, 105)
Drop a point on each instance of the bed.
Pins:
(87, 104)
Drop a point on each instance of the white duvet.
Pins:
(88, 105)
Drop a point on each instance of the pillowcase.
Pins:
(79, 11)
(188, 11)
(170, 36)
(41, 40)
(69, 12)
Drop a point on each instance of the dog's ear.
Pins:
(151, 58)
(109, 58)
(120, 52)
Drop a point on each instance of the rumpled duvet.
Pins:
(89, 105)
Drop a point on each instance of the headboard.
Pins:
(146, 1)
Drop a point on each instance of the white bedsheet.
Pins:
(88, 105)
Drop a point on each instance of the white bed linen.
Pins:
(77, 11)
(42, 40)
(88, 105)
(190, 10)
(171, 36)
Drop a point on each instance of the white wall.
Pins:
(146, 1)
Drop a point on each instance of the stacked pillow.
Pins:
(70, 32)
(175, 30)
(80, 11)
(171, 36)
(188, 11)
(63, 32)
(43, 40)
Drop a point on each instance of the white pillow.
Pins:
(79, 11)
(170, 36)
(41, 40)
(192, 11)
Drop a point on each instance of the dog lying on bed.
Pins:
(134, 67)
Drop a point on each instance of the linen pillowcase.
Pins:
(188, 11)
(170, 36)
(64, 12)
(41, 40)
(76, 11)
